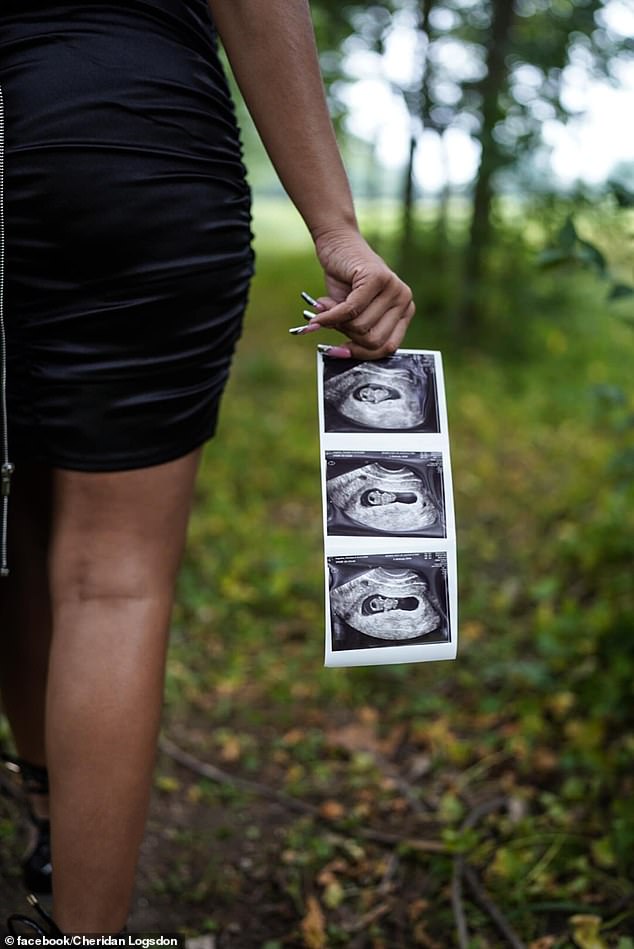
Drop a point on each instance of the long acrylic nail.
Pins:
(338, 352)
(310, 300)
(300, 330)
(309, 315)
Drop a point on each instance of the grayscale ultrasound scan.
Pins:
(390, 395)
(386, 495)
(388, 600)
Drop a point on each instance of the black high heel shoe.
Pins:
(36, 863)
(19, 925)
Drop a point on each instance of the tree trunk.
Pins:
(409, 185)
(503, 14)
(407, 206)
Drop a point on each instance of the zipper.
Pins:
(7, 468)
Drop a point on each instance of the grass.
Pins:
(531, 455)
(515, 758)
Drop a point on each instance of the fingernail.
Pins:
(339, 352)
(308, 315)
(309, 299)
(300, 330)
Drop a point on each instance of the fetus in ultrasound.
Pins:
(375, 396)
(390, 499)
(386, 604)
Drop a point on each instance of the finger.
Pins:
(355, 303)
(376, 318)
(395, 295)
(361, 352)
(319, 307)
(378, 311)
(325, 303)
(377, 347)
(376, 335)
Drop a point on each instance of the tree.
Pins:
(495, 68)
(529, 45)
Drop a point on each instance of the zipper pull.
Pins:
(6, 471)
(5, 478)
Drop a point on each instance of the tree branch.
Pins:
(186, 760)
(456, 903)
(487, 904)
(210, 771)
(463, 869)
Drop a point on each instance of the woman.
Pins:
(126, 272)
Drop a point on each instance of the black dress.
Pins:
(127, 230)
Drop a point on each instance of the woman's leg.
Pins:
(25, 614)
(116, 545)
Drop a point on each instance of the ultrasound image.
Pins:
(395, 394)
(385, 495)
(388, 600)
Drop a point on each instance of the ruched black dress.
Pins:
(127, 230)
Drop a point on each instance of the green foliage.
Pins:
(537, 707)
(540, 40)
(573, 251)
(536, 710)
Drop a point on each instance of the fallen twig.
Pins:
(490, 907)
(362, 924)
(420, 807)
(462, 869)
(482, 809)
(456, 903)
(387, 882)
(213, 773)
(189, 761)
(414, 843)
(480, 767)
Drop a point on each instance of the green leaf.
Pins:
(602, 852)
(587, 253)
(450, 808)
(610, 394)
(585, 931)
(167, 783)
(624, 197)
(567, 236)
(620, 290)
(333, 895)
(553, 257)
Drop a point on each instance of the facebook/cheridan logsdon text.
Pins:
(127, 941)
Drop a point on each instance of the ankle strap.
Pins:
(32, 925)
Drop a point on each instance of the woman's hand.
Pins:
(366, 301)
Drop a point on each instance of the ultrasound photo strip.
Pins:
(389, 525)
(385, 493)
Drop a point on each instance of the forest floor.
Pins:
(391, 807)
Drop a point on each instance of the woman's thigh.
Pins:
(119, 534)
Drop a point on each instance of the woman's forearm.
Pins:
(271, 48)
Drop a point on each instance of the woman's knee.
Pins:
(106, 569)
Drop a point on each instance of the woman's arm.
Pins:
(271, 47)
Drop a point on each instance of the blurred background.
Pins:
(478, 803)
